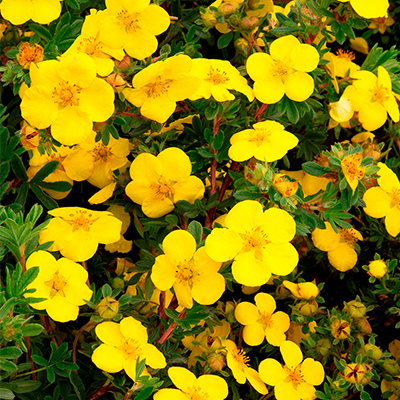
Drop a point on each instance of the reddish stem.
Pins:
(171, 328)
(28, 346)
(128, 114)
(260, 111)
(78, 334)
(100, 392)
(311, 37)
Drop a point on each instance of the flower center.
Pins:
(163, 188)
(348, 55)
(255, 240)
(396, 197)
(66, 95)
(131, 349)
(348, 236)
(266, 320)
(352, 168)
(216, 77)
(56, 284)
(29, 54)
(294, 376)
(195, 393)
(91, 46)
(260, 136)
(81, 219)
(240, 357)
(158, 88)
(187, 274)
(380, 94)
(101, 153)
(282, 69)
(129, 22)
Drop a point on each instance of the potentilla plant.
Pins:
(219, 199)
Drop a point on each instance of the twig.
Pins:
(171, 328)
(78, 334)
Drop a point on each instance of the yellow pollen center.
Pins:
(81, 219)
(216, 77)
(282, 68)
(260, 136)
(129, 22)
(240, 357)
(266, 320)
(294, 376)
(163, 189)
(348, 55)
(195, 393)
(187, 273)
(396, 197)
(353, 170)
(56, 284)
(348, 236)
(131, 349)
(66, 95)
(101, 153)
(29, 54)
(158, 88)
(91, 46)
(255, 240)
(380, 94)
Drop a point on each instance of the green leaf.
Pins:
(292, 112)
(46, 200)
(23, 386)
(7, 366)
(313, 168)
(196, 230)
(224, 40)
(22, 194)
(32, 329)
(218, 140)
(18, 168)
(44, 172)
(246, 195)
(41, 31)
(6, 394)
(145, 393)
(27, 278)
(39, 360)
(10, 352)
(7, 306)
(78, 385)
(4, 171)
(60, 186)
(73, 4)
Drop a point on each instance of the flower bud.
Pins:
(324, 346)
(117, 82)
(216, 361)
(209, 18)
(249, 23)
(124, 63)
(307, 307)
(108, 308)
(354, 373)
(340, 329)
(356, 309)
(228, 7)
(391, 367)
(376, 351)
(118, 283)
(377, 268)
(364, 326)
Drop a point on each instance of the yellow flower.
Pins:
(369, 8)
(133, 25)
(340, 329)
(217, 78)
(89, 43)
(340, 245)
(238, 363)
(268, 141)
(259, 243)
(122, 245)
(158, 87)
(284, 71)
(20, 11)
(344, 65)
(342, 110)
(377, 268)
(285, 186)
(373, 98)
(381, 24)
(175, 126)
(191, 273)
(67, 96)
(384, 201)
(205, 387)
(77, 232)
(359, 44)
(296, 379)
(29, 137)
(261, 322)
(105, 159)
(62, 283)
(352, 169)
(123, 344)
(28, 54)
(159, 182)
(73, 165)
(302, 290)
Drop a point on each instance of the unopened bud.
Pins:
(209, 18)
(340, 329)
(124, 64)
(391, 367)
(324, 346)
(116, 81)
(228, 7)
(354, 373)
(118, 283)
(108, 308)
(285, 186)
(249, 23)
(307, 307)
(373, 351)
(356, 309)
(216, 361)
(377, 268)
(364, 326)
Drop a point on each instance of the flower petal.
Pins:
(214, 386)
(253, 334)
(392, 221)
(282, 259)
(271, 371)
(249, 271)
(343, 257)
(182, 378)
(291, 354)
(246, 313)
(299, 86)
(61, 310)
(245, 216)
(312, 371)
(154, 357)
(107, 358)
(377, 201)
(222, 244)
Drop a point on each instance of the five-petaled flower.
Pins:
(77, 232)
(133, 25)
(28, 54)
(158, 87)
(205, 387)
(296, 379)
(257, 241)
(159, 182)
(67, 96)
(267, 141)
(192, 273)
(369, 8)
(123, 345)
(284, 71)
(384, 201)
(261, 321)
(238, 361)
(339, 245)
(62, 283)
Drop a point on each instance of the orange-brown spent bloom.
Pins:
(116, 81)
(354, 373)
(29, 54)
(285, 186)
(381, 24)
(340, 329)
